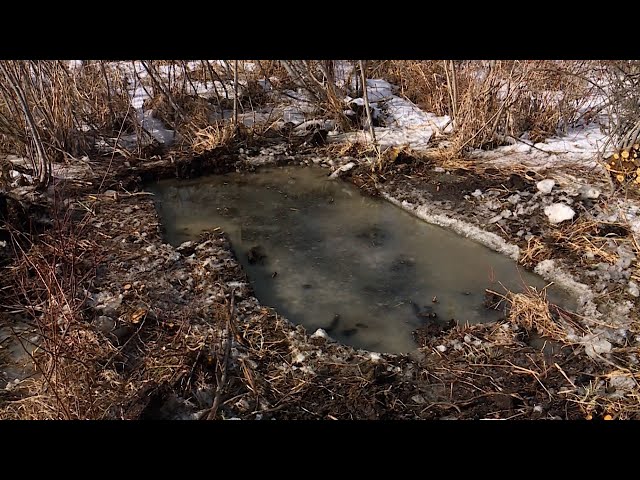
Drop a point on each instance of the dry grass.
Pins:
(535, 252)
(211, 137)
(45, 284)
(68, 108)
(82, 372)
(530, 310)
(492, 100)
(589, 240)
(350, 149)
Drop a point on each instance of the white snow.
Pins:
(594, 346)
(589, 192)
(298, 357)
(552, 272)
(559, 212)
(375, 357)
(344, 168)
(545, 186)
(405, 123)
(320, 333)
(579, 147)
(155, 127)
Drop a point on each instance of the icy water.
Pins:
(325, 256)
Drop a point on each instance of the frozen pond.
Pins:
(325, 256)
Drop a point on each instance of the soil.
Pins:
(160, 318)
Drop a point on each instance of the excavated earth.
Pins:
(158, 318)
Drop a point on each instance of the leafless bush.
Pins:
(49, 112)
(621, 82)
(67, 355)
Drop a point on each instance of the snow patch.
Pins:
(550, 271)
(595, 346)
(320, 333)
(545, 186)
(344, 168)
(375, 357)
(588, 192)
(559, 212)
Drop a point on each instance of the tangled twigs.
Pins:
(211, 415)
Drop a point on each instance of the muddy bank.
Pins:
(163, 332)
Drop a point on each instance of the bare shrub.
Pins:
(49, 112)
(67, 355)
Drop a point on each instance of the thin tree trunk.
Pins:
(452, 84)
(365, 96)
(235, 93)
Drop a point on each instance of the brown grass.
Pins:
(492, 100)
(212, 136)
(530, 310)
(535, 252)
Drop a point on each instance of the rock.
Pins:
(545, 186)
(632, 288)
(588, 193)
(477, 193)
(438, 170)
(441, 348)
(559, 212)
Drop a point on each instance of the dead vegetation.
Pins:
(226, 361)
(53, 111)
(491, 101)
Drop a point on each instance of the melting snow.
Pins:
(559, 212)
